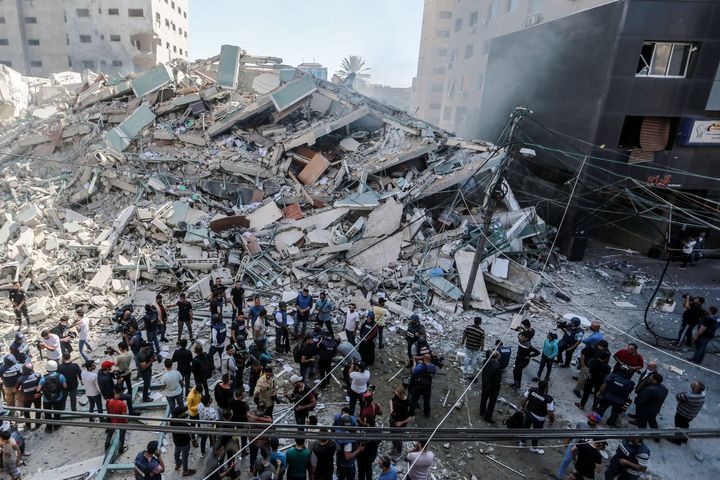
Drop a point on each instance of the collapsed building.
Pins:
(241, 167)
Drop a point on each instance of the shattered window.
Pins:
(85, 39)
(473, 19)
(117, 63)
(469, 49)
(443, 33)
(113, 11)
(114, 38)
(445, 14)
(82, 12)
(458, 24)
(33, 42)
(36, 63)
(664, 59)
(89, 64)
(30, 19)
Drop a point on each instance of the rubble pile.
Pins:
(240, 167)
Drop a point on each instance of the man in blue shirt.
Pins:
(323, 309)
(303, 304)
(254, 311)
(53, 386)
(595, 336)
(422, 374)
(388, 469)
(149, 464)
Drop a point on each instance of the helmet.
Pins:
(282, 305)
(414, 318)
(20, 336)
(51, 366)
(575, 322)
(10, 359)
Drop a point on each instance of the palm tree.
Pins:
(353, 64)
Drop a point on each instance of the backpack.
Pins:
(52, 387)
(297, 354)
(514, 420)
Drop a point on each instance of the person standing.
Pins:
(82, 324)
(89, 380)
(537, 405)
(473, 339)
(359, 378)
(228, 366)
(693, 314)
(588, 352)
(572, 338)
(420, 461)
(380, 316)
(182, 441)
(705, 334)
(117, 406)
(411, 335)
(218, 336)
(323, 311)
(254, 311)
(598, 370)
(595, 336)
(219, 291)
(237, 299)
(51, 343)
(629, 358)
(324, 451)
(146, 358)
(202, 369)
(27, 384)
(491, 383)
(152, 327)
(649, 402)
(549, 353)
(303, 305)
(183, 358)
(327, 349)
(687, 250)
(298, 460)
(172, 381)
(53, 387)
(591, 422)
(366, 345)
(185, 316)
(630, 460)
(149, 464)
(421, 381)
(525, 352)
(614, 393)
(282, 332)
(9, 374)
(266, 391)
(123, 363)
(699, 248)
(401, 414)
(207, 412)
(387, 469)
(587, 459)
(352, 319)
(689, 405)
(19, 304)
(71, 371)
(308, 352)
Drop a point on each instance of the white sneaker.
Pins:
(539, 451)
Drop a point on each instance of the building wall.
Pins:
(101, 35)
(473, 25)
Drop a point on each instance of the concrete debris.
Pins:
(157, 181)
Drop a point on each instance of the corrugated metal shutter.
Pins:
(654, 134)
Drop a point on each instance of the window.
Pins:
(451, 88)
(113, 11)
(2, 19)
(443, 33)
(69, 61)
(460, 114)
(442, 52)
(167, 22)
(7, 63)
(438, 71)
(453, 54)
(167, 45)
(85, 39)
(458, 24)
(30, 19)
(89, 64)
(185, 14)
(82, 12)
(180, 30)
(67, 39)
(114, 38)
(158, 19)
(175, 48)
(493, 9)
(33, 42)
(512, 5)
(117, 63)
(35, 63)
(447, 113)
(469, 49)
(436, 88)
(473, 19)
(646, 135)
(180, 51)
(445, 14)
(434, 106)
(535, 6)
(173, 26)
(185, 34)
(172, 5)
(664, 59)
(179, 10)
(4, 41)
(136, 12)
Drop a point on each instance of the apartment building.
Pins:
(39, 37)
(454, 45)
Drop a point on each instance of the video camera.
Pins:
(437, 361)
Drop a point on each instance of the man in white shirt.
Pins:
(172, 380)
(89, 379)
(359, 378)
(83, 326)
(352, 318)
(50, 343)
(419, 462)
(227, 363)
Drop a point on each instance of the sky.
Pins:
(386, 33)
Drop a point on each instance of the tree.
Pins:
(353, 64)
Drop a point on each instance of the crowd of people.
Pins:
(305, 330)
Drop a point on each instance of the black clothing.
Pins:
(402, 410)
(650, 399)
(588, 457)
(184, 359)
(72, 372)
(17, 296)
(216, 305)
(710, 325)
(238, 297)
(325, 455)
(491, 380)
(222, 396)
(240, 410)
(180, 439)
(522, 359)
(537, 403)
(588, 353)
(106, 384)
(184, 309)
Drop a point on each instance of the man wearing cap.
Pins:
(473, 339)
(572, 337)
(19, 304)
(282, 333)
(323, 311)
(591, 422)
(304, 399)
(149, 464)
(352, 319)
(89, 379)
(327, 349)
(52, 386)
(182, 441)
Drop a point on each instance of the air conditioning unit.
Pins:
(533, 19)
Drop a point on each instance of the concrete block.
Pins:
(30, 216)
(384, 220)
(264, 216)
(101, 278)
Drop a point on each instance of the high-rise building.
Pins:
(314, 69)
(38, 38)
(454, 45)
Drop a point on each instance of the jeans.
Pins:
(181, 455)
(174, 401)
(301, 417)
(204, 440)
(346, 473)
(487, 403)
(681, 422)
(686, 334)
(354, 397)
(35, 403)
(397, 444)
(127, 380)
(566, 461)
(95, 403)
(545, 362)
(381, 329)
(366, 459)
(350, 337)
(180, 329)
(307, 370)
(531, 422)
(108, 438)
(72, 395)
(282, 340)
(587, 389)
(302, 317)
(212, 351)
(324, 367)
(162, 328)
(700, 347)
(471, 360)
(643, 420)
(152, 339)
(186, 382)
(415, 400)
(202, 385)
(57, 406)
(146, 376)
(81, 348)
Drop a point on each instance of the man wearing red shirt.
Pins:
(116, 406)
(628, 357)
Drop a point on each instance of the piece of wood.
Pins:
(314, 169)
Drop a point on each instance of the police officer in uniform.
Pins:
(614, 393)
(27, 387)
(9, 372)
(537, 405)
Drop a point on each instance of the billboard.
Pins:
(699, 131)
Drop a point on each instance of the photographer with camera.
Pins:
(572, 336)
(691, 318)
(83, 335)
(146, 359)
(19, 348)
(123, 361)
(185, 316)
(152, 326)
(108, 379)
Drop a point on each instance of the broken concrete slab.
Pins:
(314, 169)
(152, 80)
(120, 137)
(288, 95)
(30, 216)
(373, 254)
(322, 220)
(384, 220)
(101, 278)
(479, 294)
(228, 66)
(264, 216)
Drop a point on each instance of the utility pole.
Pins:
(492, 197)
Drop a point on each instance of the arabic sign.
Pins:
(699, 131)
